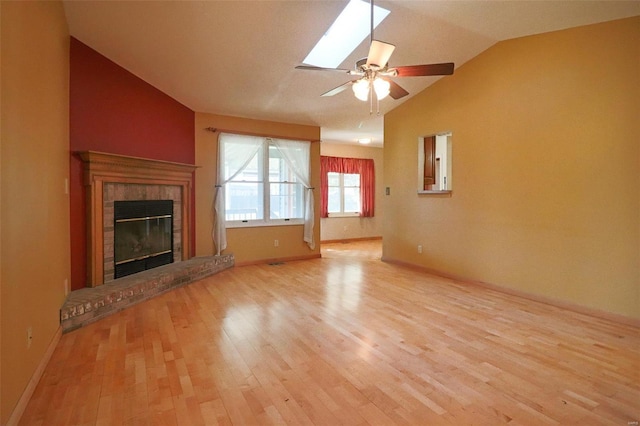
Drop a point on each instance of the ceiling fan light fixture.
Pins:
(381, 87)
(375, 66)
(361, 89)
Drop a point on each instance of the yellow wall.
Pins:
(345, 228)
(250, 245)
(34, 216)
(546, 169)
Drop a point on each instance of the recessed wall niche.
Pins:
(434, 164)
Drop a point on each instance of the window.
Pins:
(262, 182)
(263, 189)
(286, 192)
(344, 194)
(348, 186)
(434, 163)
(245, 191)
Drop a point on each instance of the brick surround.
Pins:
(131, 192)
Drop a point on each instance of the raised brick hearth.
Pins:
(88, 305)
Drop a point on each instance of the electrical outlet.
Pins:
(420, 248)
(276, 243)
(29, 337)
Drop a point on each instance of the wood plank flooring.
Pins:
(346, 339)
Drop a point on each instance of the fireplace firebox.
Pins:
(143, 235)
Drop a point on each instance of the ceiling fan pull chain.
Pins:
(370, 98)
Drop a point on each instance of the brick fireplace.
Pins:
(109, 178)
(115, 192)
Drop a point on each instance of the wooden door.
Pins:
(429, 176)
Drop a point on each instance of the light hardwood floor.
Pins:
(346, 339)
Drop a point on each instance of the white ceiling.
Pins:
(238, 57)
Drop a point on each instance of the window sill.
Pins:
(261, 223)
(344, 215)
(437, 192)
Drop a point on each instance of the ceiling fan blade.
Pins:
(395, 91)
(338, 89)
(379, 53)
(312, 68)
(424, 70)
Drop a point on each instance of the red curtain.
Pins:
(363, 167)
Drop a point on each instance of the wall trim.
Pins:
(278, 260)
(585, 310)
(24, 399)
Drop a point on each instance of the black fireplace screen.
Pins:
(143, 237)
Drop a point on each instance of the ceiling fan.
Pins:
(375, 73)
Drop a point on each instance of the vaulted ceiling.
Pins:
(238, 57)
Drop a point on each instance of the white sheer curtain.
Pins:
(234, 154)
(296, 155)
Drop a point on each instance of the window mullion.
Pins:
(266, 185)
(341, 192)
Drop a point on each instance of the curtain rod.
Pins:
(237, 132)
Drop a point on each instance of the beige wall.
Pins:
(250, 245)
(345, 228)
(34, 217)
(546, 169)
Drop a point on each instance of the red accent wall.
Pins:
(112, 110)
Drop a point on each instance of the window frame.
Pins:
(342, 213)
(264, 180)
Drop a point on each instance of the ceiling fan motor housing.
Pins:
(361, 65)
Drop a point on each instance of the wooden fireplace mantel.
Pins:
(101, 168)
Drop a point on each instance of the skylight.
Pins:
(349, 29)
